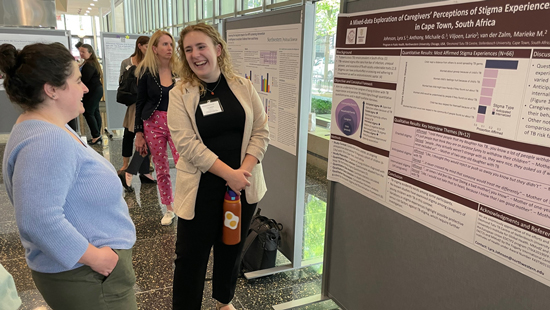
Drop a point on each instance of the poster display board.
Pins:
(443, 114)
(270, 58)
(19, 41)
(20, 37)
(116, 49)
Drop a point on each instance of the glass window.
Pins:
(323, 65)
(143, 16)
(179, 11)
(119, 18)
(135, 17)
(98, 29)
(167, 13)
(74, 50)
(228, 6)
(192, 10)
(149, 13)
(250, 4)
(132, 10)
(79, 25)
(207, 9)
(155, 14)
(60, 19)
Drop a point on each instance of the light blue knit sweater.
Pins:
(65, 196)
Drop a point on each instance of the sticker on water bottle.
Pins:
(231, 220)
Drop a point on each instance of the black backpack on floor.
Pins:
(260, 247)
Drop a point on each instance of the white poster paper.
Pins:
(116, 50)
(270, 58)
(21, 40)
(442, 113)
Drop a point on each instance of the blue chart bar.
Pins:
(502, 64)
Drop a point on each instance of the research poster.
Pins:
(115, 51)
(270, 58)
(21, 40)
(442, 113)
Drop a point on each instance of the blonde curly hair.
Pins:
(224, 60)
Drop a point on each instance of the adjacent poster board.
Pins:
(441, 113)
(20, 37)
(116, 48)
(270, 58)
(268, 48)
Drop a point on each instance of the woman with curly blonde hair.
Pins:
(156, 77)
(220, 130)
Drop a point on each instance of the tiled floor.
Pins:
(154, 251)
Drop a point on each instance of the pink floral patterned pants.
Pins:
(157, 136)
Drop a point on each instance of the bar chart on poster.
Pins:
(269, 57)
(443, 115)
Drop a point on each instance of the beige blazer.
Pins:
(196, 158)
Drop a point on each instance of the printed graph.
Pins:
(265, 87)
(490, 77)
(268, 57)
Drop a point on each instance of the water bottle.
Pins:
(231, 233)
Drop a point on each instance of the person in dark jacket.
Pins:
(91, 77)
(139, 163)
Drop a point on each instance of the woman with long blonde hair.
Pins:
(156, 77)
(220, 130)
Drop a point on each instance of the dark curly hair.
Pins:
(26, 71)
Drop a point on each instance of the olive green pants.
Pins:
(83, 288)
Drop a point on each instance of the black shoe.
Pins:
(122, 177)
(99, 140)
(146, 180)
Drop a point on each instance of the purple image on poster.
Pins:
(347, 116)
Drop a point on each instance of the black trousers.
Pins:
(128, 143)
(91, 110)
(138, 163)
(195, 238)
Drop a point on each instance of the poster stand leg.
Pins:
(278, 269)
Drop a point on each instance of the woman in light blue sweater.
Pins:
(72, 219)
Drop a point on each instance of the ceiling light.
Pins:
(92, 4)
(89, 8)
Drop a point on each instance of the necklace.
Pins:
(212, 90)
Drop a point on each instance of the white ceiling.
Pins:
(79, 7)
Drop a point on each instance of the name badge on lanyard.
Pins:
(212, 106)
